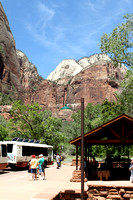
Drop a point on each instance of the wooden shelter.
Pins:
(118, 131)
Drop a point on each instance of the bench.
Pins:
(104, 173)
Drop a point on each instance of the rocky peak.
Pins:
(67, 68)
(29, 73)
(70, 68)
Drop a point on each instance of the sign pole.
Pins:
(82, 148)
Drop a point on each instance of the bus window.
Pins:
(44, 151)
(9, 148)
(4, 151)
(49, 152)
(23, 150)
(28, 151)
(37, 151)
(33, 150)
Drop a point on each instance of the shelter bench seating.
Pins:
(104, 173)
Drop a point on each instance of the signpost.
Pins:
(82, 148)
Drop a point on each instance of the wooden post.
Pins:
(76, 157)
(82, 148)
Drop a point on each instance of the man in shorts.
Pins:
(33, 167)
(41, 166)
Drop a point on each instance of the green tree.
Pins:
(25, 119)
(51, 130)
(3, 129)
(125, 96)
(30, 121)
(6, 99)
(92, 119)
(110, 110)
(118, 45)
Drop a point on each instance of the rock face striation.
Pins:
(9, 65)
(93, 78)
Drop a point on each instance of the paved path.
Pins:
(19, 186)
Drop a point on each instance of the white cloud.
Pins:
(68, 37)
(95, 5)
(44, 13)
(38, 27)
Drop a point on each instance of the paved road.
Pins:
(17, 185)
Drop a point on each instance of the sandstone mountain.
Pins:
(93, 78)
(69, 68)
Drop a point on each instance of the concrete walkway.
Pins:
(17, 185)
(57, 180)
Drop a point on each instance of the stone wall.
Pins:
(74, 162)
(111, 192)
(97, 192)
(70, 195)
(76, 176)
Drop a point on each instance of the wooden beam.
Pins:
(122, 128)
(103, 141)
(130, 133)
(114, 132)
(128, 141)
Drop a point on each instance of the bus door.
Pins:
(3, 156)
(19, 153)
(50, 155)
(10, 153)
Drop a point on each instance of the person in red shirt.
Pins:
(33, 167)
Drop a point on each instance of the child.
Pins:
(131, 169)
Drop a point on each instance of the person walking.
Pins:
(131, 169)
(58, 160)
(33, 167)
(41, 163)
(37, 167)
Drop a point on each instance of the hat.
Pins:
(33, 156)
(131, 158)
(41, 155)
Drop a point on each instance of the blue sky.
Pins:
(49, 31)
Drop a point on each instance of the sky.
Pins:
(49, 31)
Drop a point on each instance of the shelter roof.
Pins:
(116, 131)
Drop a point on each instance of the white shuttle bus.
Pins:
(3, 155)
(19, 153)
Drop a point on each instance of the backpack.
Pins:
(44, 164)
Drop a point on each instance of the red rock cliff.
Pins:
(93, 78)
